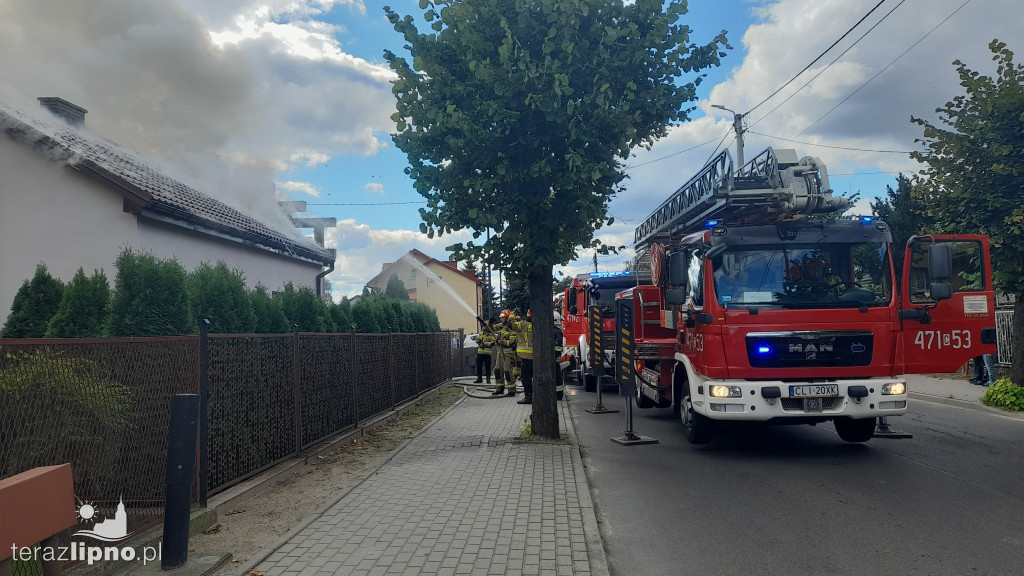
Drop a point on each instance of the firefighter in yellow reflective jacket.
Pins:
(524, 349)
(506, 347)
(485, 344)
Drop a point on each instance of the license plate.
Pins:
(809, 390)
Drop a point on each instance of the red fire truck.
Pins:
(756, 311)
(593, 289)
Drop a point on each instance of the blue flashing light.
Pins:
(867, 219)
(764, 349)
(712, 222)
(609, 274)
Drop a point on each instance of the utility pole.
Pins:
(595, 262)
(737, 125)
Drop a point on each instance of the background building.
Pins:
(455, 294)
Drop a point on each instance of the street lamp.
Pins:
(737, 124)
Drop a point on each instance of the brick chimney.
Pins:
(74, 115)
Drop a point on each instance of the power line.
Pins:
(820, 56)
(828, 146)
(829, 65)
(886, 66)
(670, 155)
(360, 203)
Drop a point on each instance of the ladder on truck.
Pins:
(774, 186)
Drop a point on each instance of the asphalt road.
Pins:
(795, 500)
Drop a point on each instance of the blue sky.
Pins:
(292, 98)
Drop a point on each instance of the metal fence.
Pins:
(104, 404)
(1004, 335)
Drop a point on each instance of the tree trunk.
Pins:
(1017, 342)
(544, 419)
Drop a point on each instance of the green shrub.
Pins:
(270, 318)
(54, 409)
(1005, 394)
(35, 303)
(218, 294)
(83, 309)
(302, 306)
(150, 297)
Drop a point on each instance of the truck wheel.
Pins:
(860, 430)
(698, 427)
(641, 400)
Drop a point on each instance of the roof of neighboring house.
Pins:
(149, 192)
(382, 278)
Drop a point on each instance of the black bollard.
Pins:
(181, 471)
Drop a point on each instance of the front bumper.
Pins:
(772, 400)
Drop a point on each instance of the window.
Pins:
(817, 275)
(968, 273)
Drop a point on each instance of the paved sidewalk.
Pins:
(461, 498)
(952, 391)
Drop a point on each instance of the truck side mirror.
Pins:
(940, 262)
(572, 302)
(940, 291)
(677, 269)
(674, 297)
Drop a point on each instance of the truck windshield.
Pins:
(804, 276)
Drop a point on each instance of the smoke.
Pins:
(222, 115)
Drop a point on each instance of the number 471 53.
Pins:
(937, 339)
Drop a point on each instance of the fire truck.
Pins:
(763, 305)
(593, 289)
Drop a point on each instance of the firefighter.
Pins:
(506, 347)
(524, 349)
(485, 345)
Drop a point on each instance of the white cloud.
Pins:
(374, 188)
(301, 187)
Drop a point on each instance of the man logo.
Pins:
(810, 348)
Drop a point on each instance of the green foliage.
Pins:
(150, 297)
(516, 116)
(517, 293)
(83, 309)
(218, 294)
(1004, 394)
(905, 212)
(75, 409)
(975, 172)
(376, 314)
(341, 313)
(302, 307)
(269, 314)
(396, 288)
(35, 303)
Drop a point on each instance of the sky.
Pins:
(254, 101)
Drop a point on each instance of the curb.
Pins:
(967, 404)
(595, 542)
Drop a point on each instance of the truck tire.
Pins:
(850, 430)
(699, 428)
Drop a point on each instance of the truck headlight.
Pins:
(894, 389)
(721, 391)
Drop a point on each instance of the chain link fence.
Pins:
(104, 404)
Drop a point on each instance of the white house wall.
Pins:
(192, 249)
(54, 215)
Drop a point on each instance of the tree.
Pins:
(396, 288)
(35, 303)
(905, 213)
(975, 174)
(83, 309)
(517, 115)
(218, 294)
(150, 297)
(302, 307)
